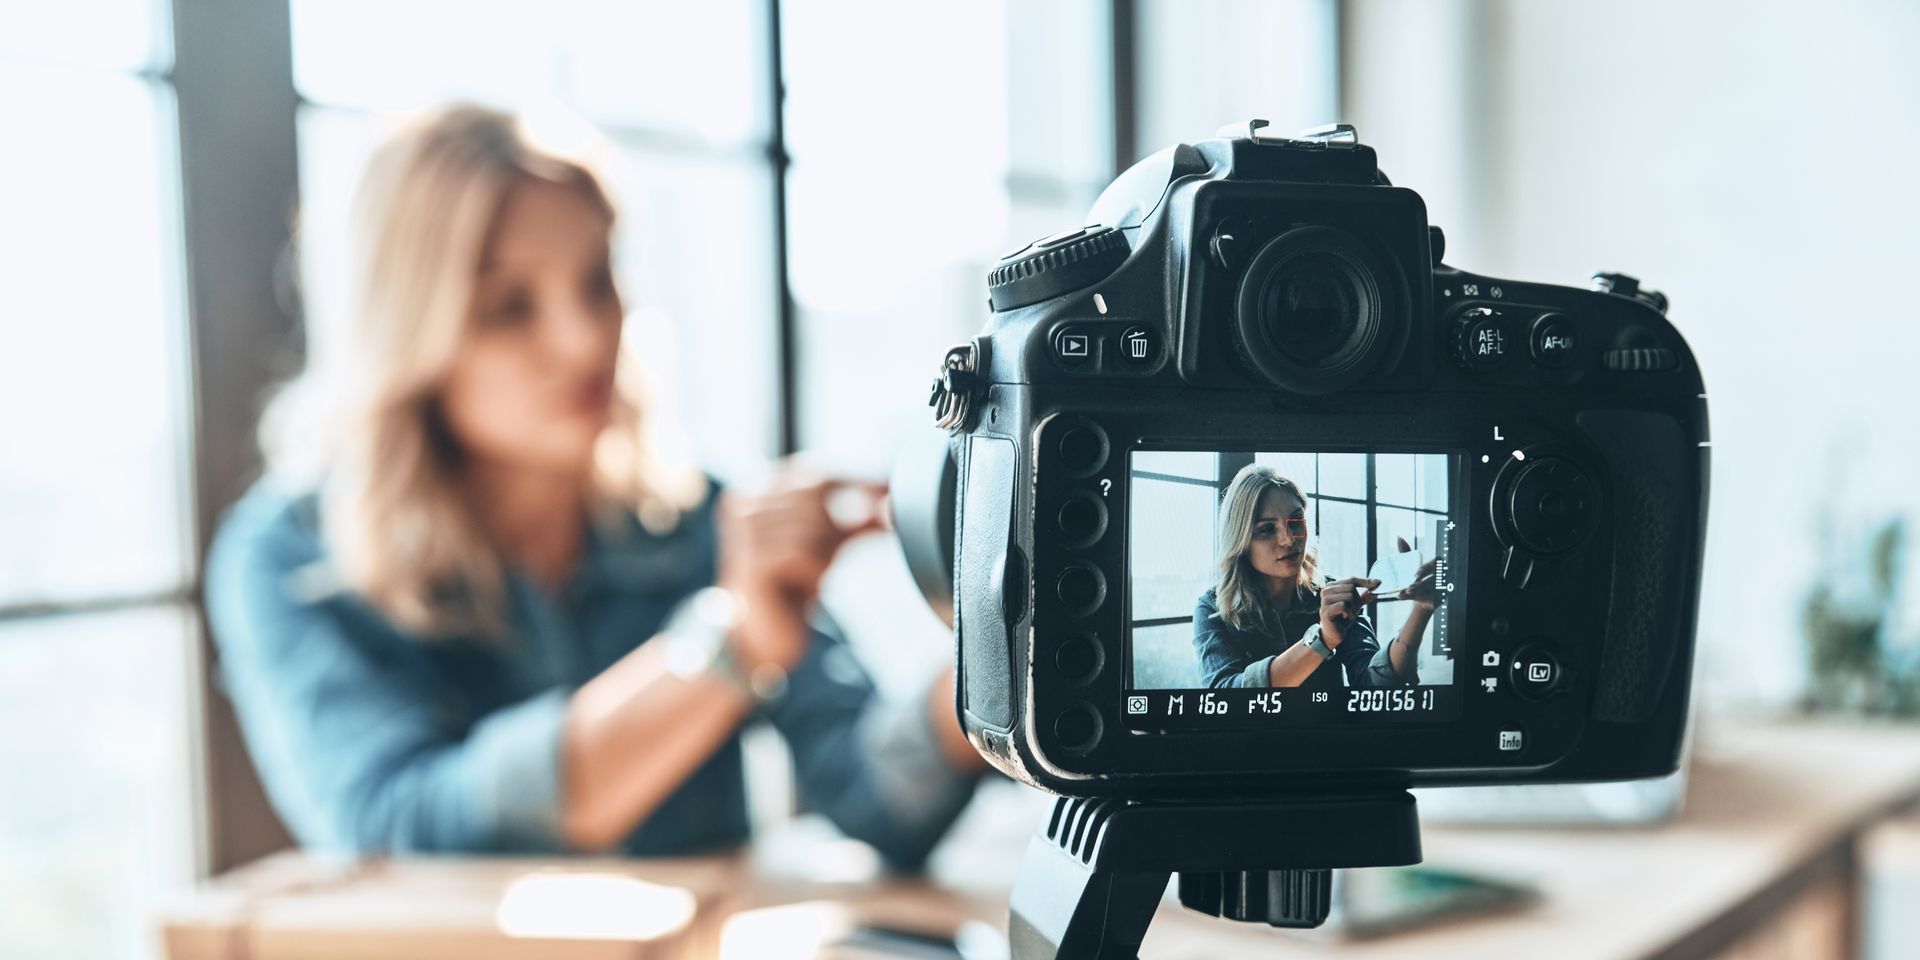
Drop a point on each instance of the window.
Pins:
(96, 638)
(926, 140)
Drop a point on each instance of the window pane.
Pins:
(1163, 658)
(1059, 93)
(1280, 68)
(697, 262)
(1342, 538)
(1177, 463)
(115, 34)
(1395, 479)
(691, 68)
(1432, 468)
(893, 223)
(1169, 547)
(1297, 467)
(1414, 527)
(1343, 475)
(91, 401)
(94, 821)
(929, 80)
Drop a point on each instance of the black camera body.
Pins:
(1258, 299)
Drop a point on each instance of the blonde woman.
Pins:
(1270, 619)
(470, 611)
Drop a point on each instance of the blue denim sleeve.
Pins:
(1363, 658)
(354, 739)
(1224, 662)
(873, 768)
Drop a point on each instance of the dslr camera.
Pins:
(1253, 496)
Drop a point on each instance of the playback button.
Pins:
(1072, 346)
(1535, 672)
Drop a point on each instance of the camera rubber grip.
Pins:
(1653, 531)
(985, 562)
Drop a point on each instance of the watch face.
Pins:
(690, 652)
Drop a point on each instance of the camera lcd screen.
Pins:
(1291, 587)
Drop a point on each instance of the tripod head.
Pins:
(1093, 875)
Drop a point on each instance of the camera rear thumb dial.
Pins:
(1055, 265)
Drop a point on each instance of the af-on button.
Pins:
(1554, 341)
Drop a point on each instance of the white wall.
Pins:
(1755, 162)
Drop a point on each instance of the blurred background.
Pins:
(815, 191)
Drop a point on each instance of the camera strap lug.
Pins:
(953, 396)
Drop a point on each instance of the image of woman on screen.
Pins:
(474, 608)
(1272, 620)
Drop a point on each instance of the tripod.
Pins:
(1092, 877)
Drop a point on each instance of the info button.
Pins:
(1512, 739)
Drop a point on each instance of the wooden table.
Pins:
(1764, 861)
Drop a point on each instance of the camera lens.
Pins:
(1313, 310)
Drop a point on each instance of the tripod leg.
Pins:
(1063, 909)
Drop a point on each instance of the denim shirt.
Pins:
(1231, 657)
(370, 739)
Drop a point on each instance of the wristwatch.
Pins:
(1313, 642)
(696, 634)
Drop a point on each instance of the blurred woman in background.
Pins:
(1271, 619)
(470, 609)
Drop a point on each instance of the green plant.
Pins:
(1847, 622)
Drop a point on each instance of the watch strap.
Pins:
(1312, 641)
(696, 632)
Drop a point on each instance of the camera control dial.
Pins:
(1055, 265)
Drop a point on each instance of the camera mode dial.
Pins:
(1055, 265)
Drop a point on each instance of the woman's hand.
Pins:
(1339, 604)
(775, 546)
(1424, 591)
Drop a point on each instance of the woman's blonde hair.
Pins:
(362, 424)
(1239, 590)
